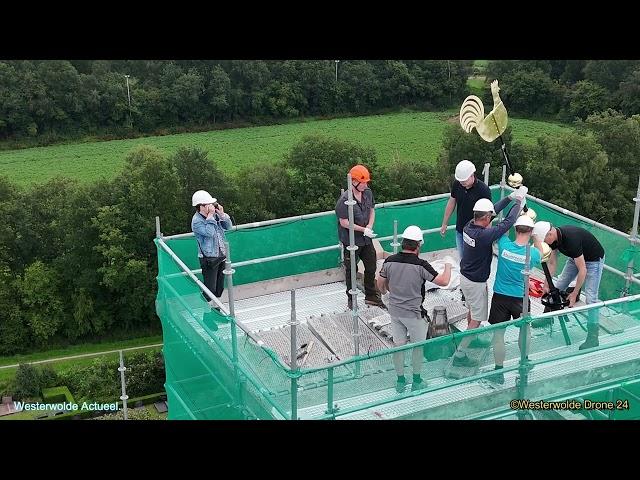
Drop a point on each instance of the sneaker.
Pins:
(418, 385)
(590, 342)
(401, 385)
(479, 343)
(464, 362)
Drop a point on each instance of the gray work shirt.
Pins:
(406, 274)
(361, 214)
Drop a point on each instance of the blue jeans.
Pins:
(591, 282)
(459, 243)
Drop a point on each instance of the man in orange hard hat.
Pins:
(363, 218)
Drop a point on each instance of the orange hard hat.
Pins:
(359, 173)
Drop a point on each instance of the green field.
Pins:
(80, 349)
(476, 83)
(409, 135)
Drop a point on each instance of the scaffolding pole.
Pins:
(395, 243)
(352, 259)
(633, 238)
(158, 232)
(503, 183)
(524, 366)
(124, 397)
(293, 323)
(485, 170)
(525, 274)
(228, 273)
(330, 405)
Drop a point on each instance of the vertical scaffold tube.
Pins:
(634, 241)
(293, 323)
(352, 258)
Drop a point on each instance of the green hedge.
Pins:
(85, 414)
(57, 395)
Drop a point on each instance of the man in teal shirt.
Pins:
(509, 286)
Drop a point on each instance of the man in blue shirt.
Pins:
(508, 289)
(208, 225)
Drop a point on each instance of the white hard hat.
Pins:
(202, 197)
(413, 232)
(484, 205)
(464, 170)
(525, 221)
(540, 229)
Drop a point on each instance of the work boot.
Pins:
(593, 331)
(401, 383)
(464, 361)
(375, 302)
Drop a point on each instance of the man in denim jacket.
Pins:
(208, 225)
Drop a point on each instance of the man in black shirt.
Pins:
(364, 215)
(466, 190)
(585, 265)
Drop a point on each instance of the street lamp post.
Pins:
(129, 97)
(337, 62)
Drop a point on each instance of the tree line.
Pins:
(42, 102)
(45, 101)
(78, 261)
(566, 89)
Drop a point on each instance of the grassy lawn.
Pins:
(527, 131)
(409, 135)
(476, 85)
(24, 415)
(63, 365)
(80, 349)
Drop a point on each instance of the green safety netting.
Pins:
(217, 371)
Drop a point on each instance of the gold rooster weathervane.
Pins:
(491, 127)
